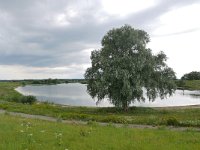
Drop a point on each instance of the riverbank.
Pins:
(176, 116)
(136, 115)
(188, 84)
(117, 125)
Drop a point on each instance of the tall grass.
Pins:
(136, 115)
(20, 133)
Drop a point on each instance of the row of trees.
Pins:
(194, 75)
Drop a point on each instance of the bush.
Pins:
(172, 121)
(28, 99)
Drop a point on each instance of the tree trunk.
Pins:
(125, 106)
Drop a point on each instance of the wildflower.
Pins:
(21, 131)
(42, 131)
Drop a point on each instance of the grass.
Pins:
(20, 133)
(192, 84)
(188, 84)
(135, 115)
(7, 91)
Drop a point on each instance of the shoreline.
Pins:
(153, 107)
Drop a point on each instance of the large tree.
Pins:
(124, 70)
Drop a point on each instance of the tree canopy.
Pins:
(194, 75)
(124, 70)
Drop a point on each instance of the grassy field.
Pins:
(19, 133)
(192, 85)
(7, 91)
(135, 115)
(188, 84)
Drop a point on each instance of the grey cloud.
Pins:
(30, 37)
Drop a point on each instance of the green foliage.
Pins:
(92, 123)
(7, 91)
(46, 81)
(28, 99)
(21, 99)
(194, 75)
(188, 84)
(123, 67)
(55, 81)
(172, 121)
(85, 132)
(180, 83)
(135, 115)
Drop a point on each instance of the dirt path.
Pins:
(52, 119)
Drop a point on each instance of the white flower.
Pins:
(42, 131)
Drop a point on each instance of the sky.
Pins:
(54, 38)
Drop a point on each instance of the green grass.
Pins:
(135, 115)
(188, 84)
(7, 91)
(192, 84)
(19, 133)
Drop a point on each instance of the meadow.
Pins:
(188, 84)
(21, 133)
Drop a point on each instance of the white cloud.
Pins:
(23, 72)
(61, 20)
(182, 51)
(179, 20)
(178, 36)
(125, 7)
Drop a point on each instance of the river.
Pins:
(75, 94)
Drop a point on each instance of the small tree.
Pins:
(124, 69)
(28, 99)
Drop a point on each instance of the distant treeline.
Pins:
(194, 75)
(190, 81)
(47, 81)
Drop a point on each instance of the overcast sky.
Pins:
(54, 38)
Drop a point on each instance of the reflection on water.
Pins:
(75, 94)
(195, 96)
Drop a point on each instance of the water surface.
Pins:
(75, 94)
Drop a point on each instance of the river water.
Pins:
(75, 94)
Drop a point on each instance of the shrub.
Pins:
(114, 119)
(92, 123)
(28, 99)
(172, 121)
